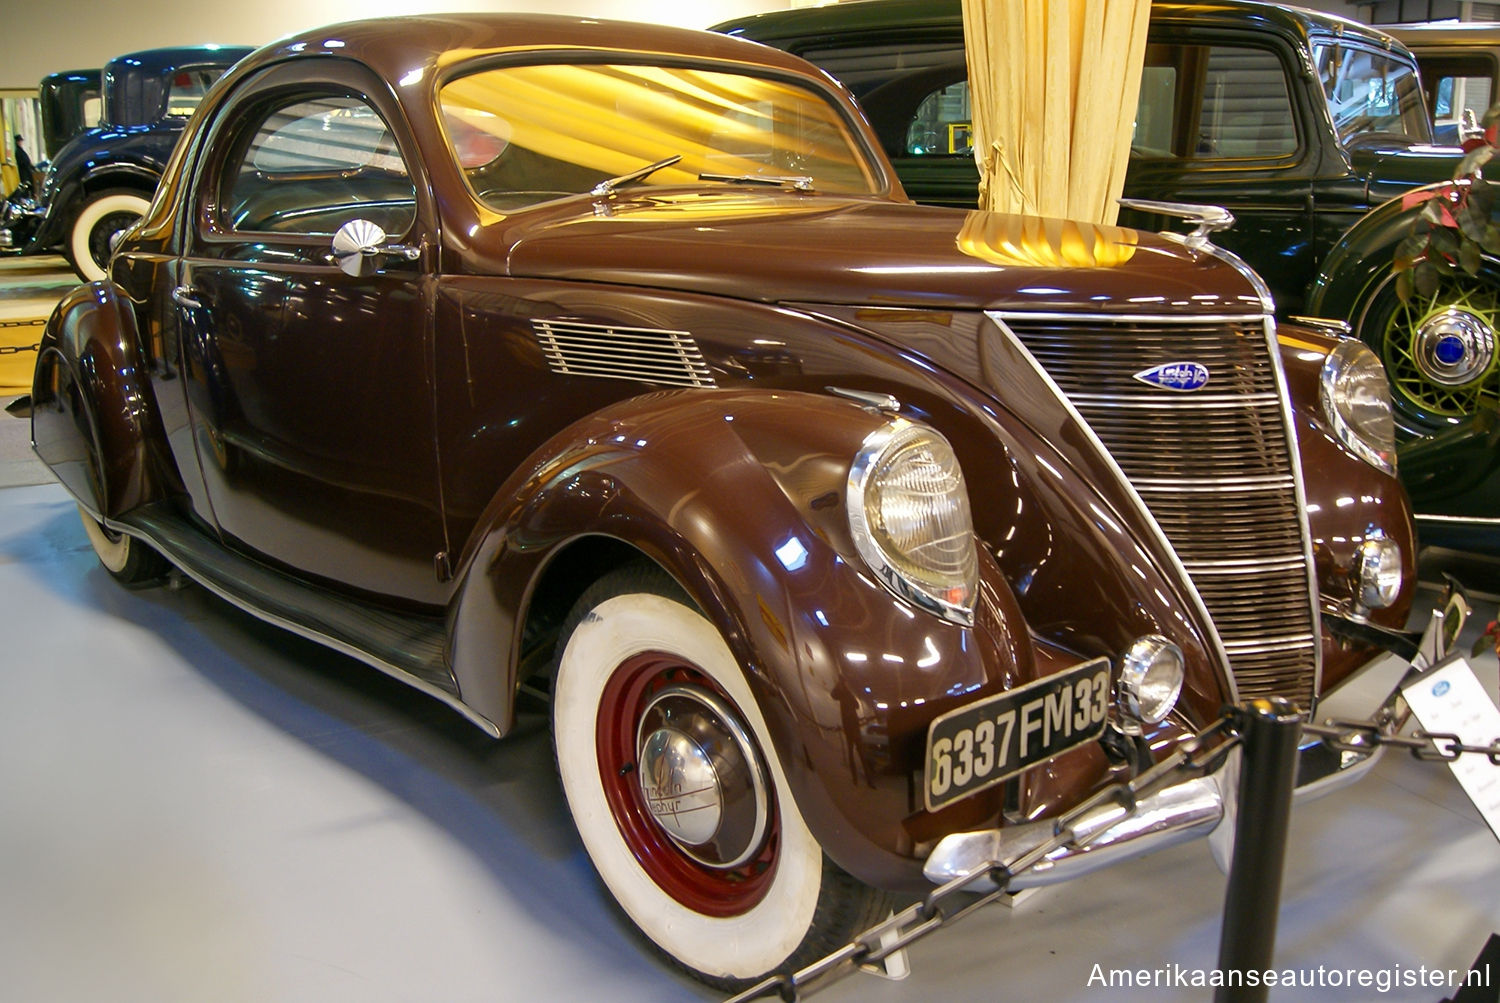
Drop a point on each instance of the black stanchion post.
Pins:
(1270, 729)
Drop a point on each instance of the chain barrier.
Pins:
(1434, 747)
(18, 349)
(1189, 760)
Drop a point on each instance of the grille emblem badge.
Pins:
(1180, 376)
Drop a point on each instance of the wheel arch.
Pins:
(720, 520)
(1364, 255)
(140, 179)
(94, 420)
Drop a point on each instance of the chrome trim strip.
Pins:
(1226, 568)
(1215, 643)
(1138, 318)
(1228, 484)
(1463, 520)
(1198, 399)
(1299, 486)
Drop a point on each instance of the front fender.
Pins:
(740, 497)
(1363, 256)
(94, 417)
(1348, 501)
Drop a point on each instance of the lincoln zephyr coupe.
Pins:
(851, 538)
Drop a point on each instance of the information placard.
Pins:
(1450, 700)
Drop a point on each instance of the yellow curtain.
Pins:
(1053, 85)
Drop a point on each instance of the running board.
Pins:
(407, 647)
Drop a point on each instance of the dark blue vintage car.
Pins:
(101, 181)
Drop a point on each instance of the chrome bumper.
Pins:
(1192, 809)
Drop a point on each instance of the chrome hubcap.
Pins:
(1454, 348)
(701, 778)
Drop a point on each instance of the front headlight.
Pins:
(909, 515)
(1357, 403)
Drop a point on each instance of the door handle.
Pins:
(183, 296)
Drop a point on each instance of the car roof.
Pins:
(396, 47)
(874, 15)
(1474, 33)
(167, 59)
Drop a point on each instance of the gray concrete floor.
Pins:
(200, 807)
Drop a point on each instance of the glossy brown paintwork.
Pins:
(451, 474)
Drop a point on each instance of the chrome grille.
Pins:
(608, 351)
(1214, 466)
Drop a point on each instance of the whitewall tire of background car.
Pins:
(640, 669)
(97, 221)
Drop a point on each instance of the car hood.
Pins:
(1390, 168)
(786, 247)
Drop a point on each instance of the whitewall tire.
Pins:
(129, 560)
(98, 220)
(639, 669)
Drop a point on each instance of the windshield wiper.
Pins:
(608, 187)
(800, 182)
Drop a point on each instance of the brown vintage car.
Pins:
(854, 540)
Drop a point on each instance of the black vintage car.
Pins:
(1298, 122)
(101, 181)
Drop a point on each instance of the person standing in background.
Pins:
(24, 167)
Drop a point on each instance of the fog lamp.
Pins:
(1379, 572)
(1150, 681)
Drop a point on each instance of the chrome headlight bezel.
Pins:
(939, 574)
(1378, 572)
(1356, 399)
(1152, 672)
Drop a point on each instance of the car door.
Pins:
(1222, 121)
(309, 389)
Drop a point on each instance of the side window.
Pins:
(313, 165)
(187, 88)
(1372, 92)
(1213, 102)
(942, 124)
(1455, 86)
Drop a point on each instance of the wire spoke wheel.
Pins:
(1439, 350)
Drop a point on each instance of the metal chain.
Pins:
(1190, 759)
(1429, 746)
(18, 349)
(22, 323)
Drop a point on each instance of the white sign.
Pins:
(1451, 701)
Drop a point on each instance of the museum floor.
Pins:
(200, 807)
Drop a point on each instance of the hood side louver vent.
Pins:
(612, 352)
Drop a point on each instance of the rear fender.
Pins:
(93, 415)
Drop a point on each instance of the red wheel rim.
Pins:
(711, 891)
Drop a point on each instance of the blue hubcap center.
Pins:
(1449, 350)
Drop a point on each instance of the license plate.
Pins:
(984, 743)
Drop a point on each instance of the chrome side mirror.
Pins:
(358, 245)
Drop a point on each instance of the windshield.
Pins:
(1372, 92)
(527, 134)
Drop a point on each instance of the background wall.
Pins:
(45, 36)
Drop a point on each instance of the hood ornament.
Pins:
(1183, 377)
(1209, 218)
